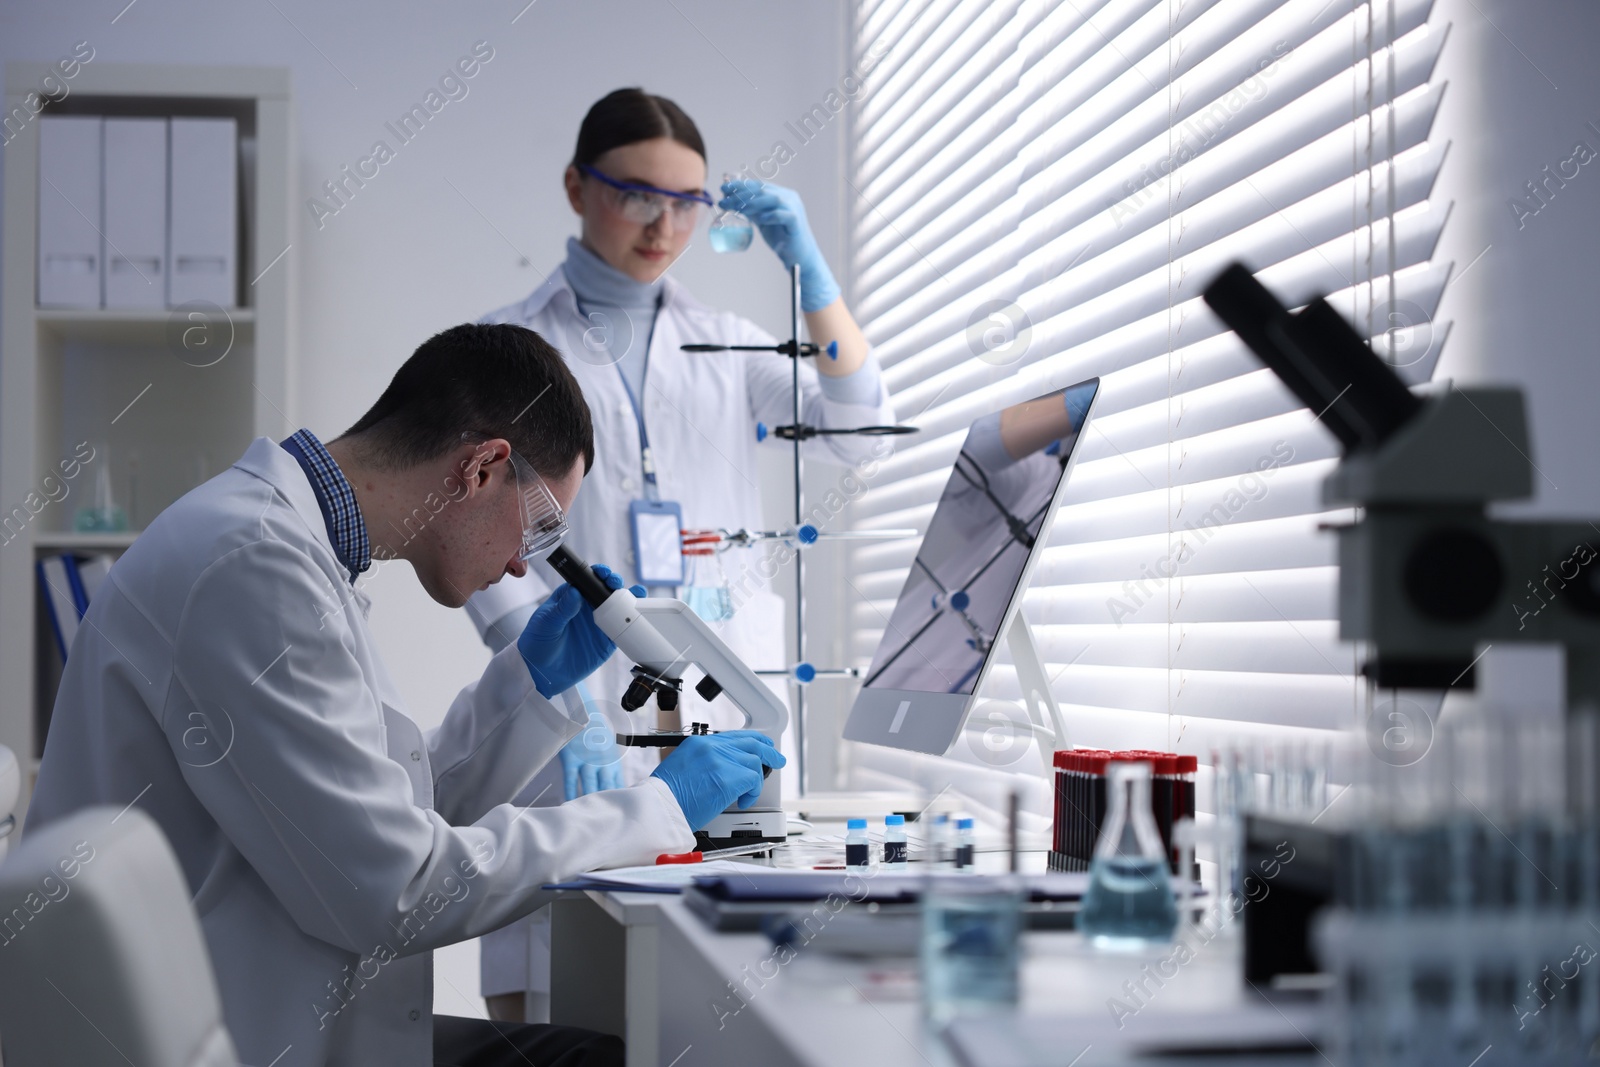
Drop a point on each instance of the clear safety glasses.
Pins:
(644, 204)
(544, 525)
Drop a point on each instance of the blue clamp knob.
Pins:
(805, 673)
(833, 350)
(807, 534)
(959, 600)
(761, 432)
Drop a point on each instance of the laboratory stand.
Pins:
(804, 534)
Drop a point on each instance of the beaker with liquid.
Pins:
(971, 950)
(1129, 901)
(730, 231)
(705, 587)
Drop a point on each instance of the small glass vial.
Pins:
(894, 842)
(940, 848)
(1129, 901)
(856, 854)
(966, 844)
(730, 231)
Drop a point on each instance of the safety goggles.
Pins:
(644, 204)
(544, 525)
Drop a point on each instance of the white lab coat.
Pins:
(226, 681)
(700, 413)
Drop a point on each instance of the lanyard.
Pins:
(647, 463)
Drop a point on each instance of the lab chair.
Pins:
(104, 962)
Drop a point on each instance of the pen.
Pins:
(716, 854)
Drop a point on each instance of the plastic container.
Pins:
(894, 843)
(857, 852)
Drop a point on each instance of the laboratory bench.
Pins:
(646, 967)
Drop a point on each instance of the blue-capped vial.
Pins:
(966, 844)
(941, 850)
(856, 854)
(894, 842)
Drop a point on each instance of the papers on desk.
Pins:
(1242, 1030)
(665, 878)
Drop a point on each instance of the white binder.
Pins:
(203, 209)
(135, 254)
(69, 211)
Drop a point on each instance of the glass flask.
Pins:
(1129, 902)
(705, 587)
(103, 515)
(730, 231)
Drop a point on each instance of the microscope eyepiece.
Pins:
(579, 575)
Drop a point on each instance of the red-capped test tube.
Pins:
(1183, 800)
(1062, 761)
(1164, 794)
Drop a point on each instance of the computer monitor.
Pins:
(967, 580)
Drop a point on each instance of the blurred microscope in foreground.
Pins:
(1455, 901)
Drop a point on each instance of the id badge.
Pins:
(657, 541)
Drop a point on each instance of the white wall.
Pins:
(1523, 90)
(439, 236)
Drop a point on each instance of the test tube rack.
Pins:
(1081, 804)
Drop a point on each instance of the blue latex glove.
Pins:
(561, 644)
(1077, 400)
(781, 218)
(708, 772)
(591, 762)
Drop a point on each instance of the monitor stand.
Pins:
(1044, 714)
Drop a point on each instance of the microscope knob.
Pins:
(1453, 574)
(1582, 593)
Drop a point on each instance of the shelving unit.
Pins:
(165, 399)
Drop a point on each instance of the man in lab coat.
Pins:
(226, 681)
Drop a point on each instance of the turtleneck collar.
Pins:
(596, 282)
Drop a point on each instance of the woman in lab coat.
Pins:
(670, 426)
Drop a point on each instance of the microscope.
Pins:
(1427, 579)
(664, 638)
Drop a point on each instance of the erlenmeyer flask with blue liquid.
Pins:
(1129, 902)
(705, 587)
(730, 231)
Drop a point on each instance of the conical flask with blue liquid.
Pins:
(1129, 902)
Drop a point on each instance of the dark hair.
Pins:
(505, 381)
(627, 116)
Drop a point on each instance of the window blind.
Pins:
(1042, 190)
